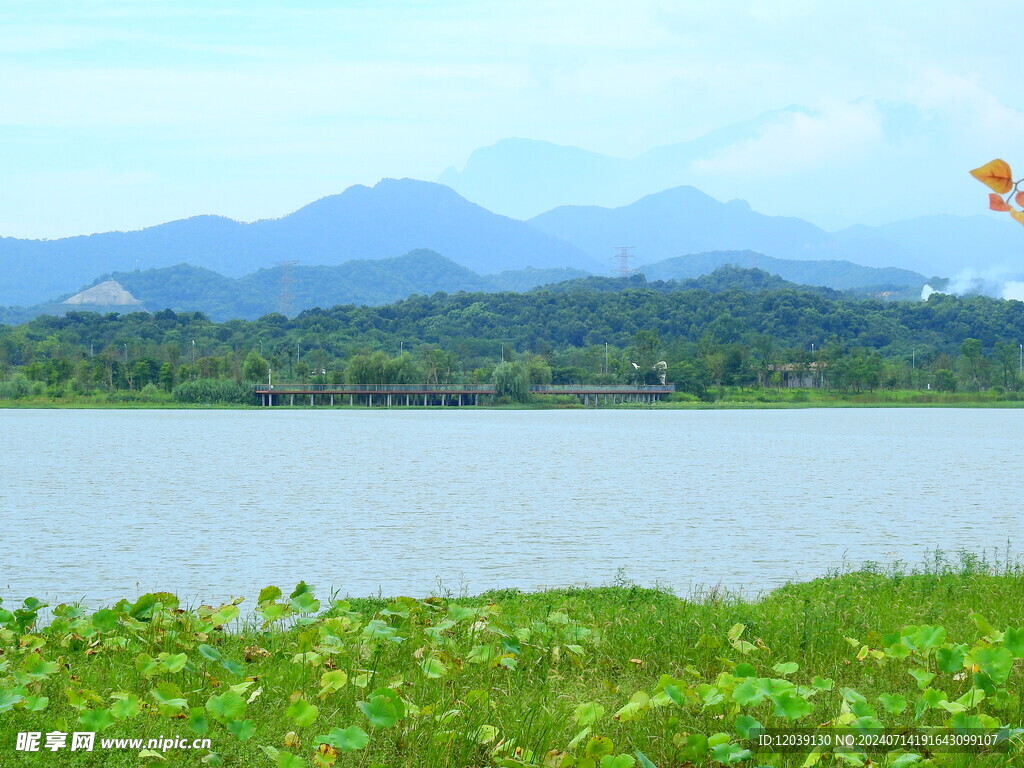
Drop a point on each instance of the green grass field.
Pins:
(606, 677)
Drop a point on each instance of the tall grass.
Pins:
(608, 676)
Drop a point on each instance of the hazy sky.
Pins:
(117, 115)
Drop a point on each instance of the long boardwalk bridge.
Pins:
(389, 395)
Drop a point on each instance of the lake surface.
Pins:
(99, 505)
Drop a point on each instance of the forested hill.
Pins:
(474, 326)
(184, 288)
(360, 281)
(726, 278)
(543, 320)
(841, 275)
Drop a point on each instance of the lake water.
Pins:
(103, 504)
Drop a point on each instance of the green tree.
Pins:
(764, 357)
(538, 372)
(511, 380)
(971, 363)
(166, 376)
(367, 369)
(689, 375)
(646, 348)
(945, 380)
(714, 363)
(436, 365)
(255, 367)
(1009, 364)
(403, 370)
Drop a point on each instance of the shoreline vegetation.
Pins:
(727, 398)
(604, 677)
(732, 346)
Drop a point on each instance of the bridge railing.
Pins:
(482, 389)
(485, 389)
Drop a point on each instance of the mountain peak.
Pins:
(682, 194)
(406, 183)
(387, 191)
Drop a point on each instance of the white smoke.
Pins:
(997, 283)
(1013, 289)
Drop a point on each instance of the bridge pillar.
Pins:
(293, 399)
(332, 399)
(389, 399)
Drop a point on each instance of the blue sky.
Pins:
(118, 115)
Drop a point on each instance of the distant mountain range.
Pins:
(375, 282)
(864, 161)
(685, 220)
(523, 177)
(363, 225)
(970, 246)
(389, 219)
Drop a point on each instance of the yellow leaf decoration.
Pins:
(995, 175)
(1018, 215)
(996, 203)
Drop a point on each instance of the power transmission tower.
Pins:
(285, 298)
(622, 257)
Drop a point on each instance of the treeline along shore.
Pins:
(784, 345)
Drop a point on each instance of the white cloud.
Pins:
(980, 117)
(776, 10)
(838, 134)
(406, 88)
(1014, 289)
